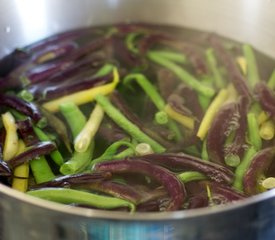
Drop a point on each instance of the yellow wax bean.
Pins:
(11, 140)
(184, 120)
(263, 116)
(267, 130)
(211, 113)
(84, 96)
(269, 183)
(21, 173)
(84, 138)
(243, 64)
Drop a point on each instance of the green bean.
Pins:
(204, 153)
(70, 196)
(125, 124)
(271, 81)
(252, 69)
(128, 152)
(213, 65)
(148, 88)
(78, 162)
(254, 131)
(76, 120)
(74, 117)
(41, 170)
(231, 159)
(205, 101)
(182, 74)
(104, 70)
(110, 152)
(161, 118)
(171, 56)
(130, 41)
(88, 132)
(186, 177)
(242, 168)
(155, 97)
(26, 95)
(55, 155)
(42, 123)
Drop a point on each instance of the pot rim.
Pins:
(156, 216)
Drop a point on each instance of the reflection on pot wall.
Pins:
(22, 22)
(33, 18)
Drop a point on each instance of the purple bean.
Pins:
(167, 82)
(54, 51)
(216, 139)
(66, 76)
(266, 97)
(122, 53)
(150, 206)
(220, 194)
(5, 170)
(258, 166)
(170, 182)
(185, 101)
(81, 84)
(115, 189)
(87, 49)
(91, 62)
(75, 180)
(198, 201)
(25, 128)
(43, 72)
(26, 108)
(237, 78)
(135, 194)
(238, 145)
(156, 205)
(33, 152)
(196, 59)
(150, 40)
(184, 162)
(227, 192)
(12, 61)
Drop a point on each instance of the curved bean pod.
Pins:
(35, 151)
(259, 164)
(27, 108)
(266, 98)
(170, 182)
(216, 139)
(237, 79)
(183, 161)
(68, 196)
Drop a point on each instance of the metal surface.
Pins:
(25, 21)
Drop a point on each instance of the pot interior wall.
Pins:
(23, 22)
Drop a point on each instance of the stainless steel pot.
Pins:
(22, 217)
